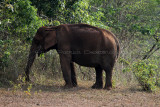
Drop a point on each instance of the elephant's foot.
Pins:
(68, 86)
(97, 86)
(108, 87)
(74, 85)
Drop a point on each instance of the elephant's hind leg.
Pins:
(108, 84)
(73, 75)
(99, 80)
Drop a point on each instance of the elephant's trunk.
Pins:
(31, 58)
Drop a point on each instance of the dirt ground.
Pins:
(82, 96)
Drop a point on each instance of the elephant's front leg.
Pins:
(73, 75)
(66, 70)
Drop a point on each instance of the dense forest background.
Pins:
(136, 23)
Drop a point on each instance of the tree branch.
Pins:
(146, 56)
(151, 51)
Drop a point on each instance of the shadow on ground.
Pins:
(59, 87)
(53, 88)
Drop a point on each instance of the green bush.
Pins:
(145, 73)
(18, 23)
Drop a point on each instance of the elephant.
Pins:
(83, 44)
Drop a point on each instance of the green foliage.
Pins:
(20, 84)
(18, 24)
(56, 23)
(82, 12)
(49, 8)
(5, 53)
(18, 16)
(146, 72)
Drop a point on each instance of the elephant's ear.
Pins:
(50, 39)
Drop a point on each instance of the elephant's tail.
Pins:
(118, 47)
(117, 44)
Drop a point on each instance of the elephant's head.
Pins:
(44, 40)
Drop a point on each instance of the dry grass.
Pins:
(83, 96)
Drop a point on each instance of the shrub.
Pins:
(145, 73)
